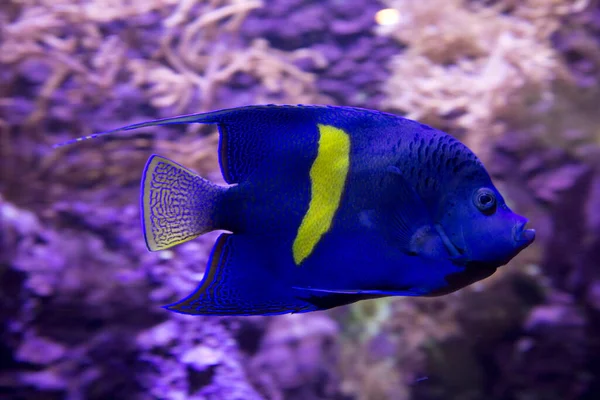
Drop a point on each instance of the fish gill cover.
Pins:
(80, 295)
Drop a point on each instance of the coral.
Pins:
(562, 175)
(190, 359)
(356, 57)
(82, 316)
(526, 331)
(555, 345)
(577, 40)
(179, 60)
(89, 324)
(552, 170)
(433, 348)
(181, 85)
(309, 340)
(71, 68)
(80, 295)
(472, 68)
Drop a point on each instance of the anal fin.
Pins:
(244, 276)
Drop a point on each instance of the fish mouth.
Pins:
(523, 236)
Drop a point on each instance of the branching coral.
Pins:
(470, 67)
(71, 67)
(194, 54)
(391, 345)
(54, 33)
(385, 343)
(177, 84)
(197, 62)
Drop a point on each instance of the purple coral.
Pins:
(80, 296)
(343, 33)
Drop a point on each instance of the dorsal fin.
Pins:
(247, 134)
(251, 134)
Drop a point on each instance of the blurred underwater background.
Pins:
(81, 297)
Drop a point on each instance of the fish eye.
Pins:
(485, 201)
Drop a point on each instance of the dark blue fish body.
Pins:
(328, 206)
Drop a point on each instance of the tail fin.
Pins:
(177, 204)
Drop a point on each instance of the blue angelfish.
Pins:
(327, 206)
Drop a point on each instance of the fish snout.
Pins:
(521, 235)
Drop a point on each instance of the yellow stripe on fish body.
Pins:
(328, 178)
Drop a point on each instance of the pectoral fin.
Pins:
(324, 299)
(407, 221)
(377, 293)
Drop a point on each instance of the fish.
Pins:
(325, 206)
